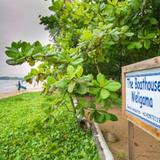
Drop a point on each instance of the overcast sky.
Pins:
(19, 21)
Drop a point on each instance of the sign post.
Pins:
(130, 140)
(141, 98)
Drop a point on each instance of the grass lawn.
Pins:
(25, 134)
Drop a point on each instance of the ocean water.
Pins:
(8, 86)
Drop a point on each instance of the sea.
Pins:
(8, 86)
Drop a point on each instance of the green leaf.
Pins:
(31, 62)
(34, 71)
(56, 6)
(20, 60)
(77, 61)
(79, 71)
(11, 52)
(99, 117)
(147, 44)
(71, 86)
(87, 35)
(114, 2)
(153, 21)
(129, 34)
(109, 9)
(82, 89)
(138, 45)
(104, 94)
(61, 83)
(11, 62)
(134, 45)
(95, 83)
(50, 80)
(87, 78)
(113, 86)
(113, 117)
(82, 112)
(124, 28)
(116, 99)
(131, 46)
(150, 36)
(101, 79)
(15, 45)
(108, 117)
(102, 116)
(38, 56)
(94, 91)
(108, 26)
(70, 70)
(115, 36)
(106, 104)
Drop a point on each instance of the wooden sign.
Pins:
(141, 98)
(141, 95)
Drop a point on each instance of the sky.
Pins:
(19, 21)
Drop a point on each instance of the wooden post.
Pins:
(130, 140)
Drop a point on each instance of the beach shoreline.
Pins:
(15, 93)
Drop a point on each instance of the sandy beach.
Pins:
(9, 94)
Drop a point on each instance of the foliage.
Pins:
(63, 69)
(24, 135)
(108, 34)
(102, 35)
(92, 40)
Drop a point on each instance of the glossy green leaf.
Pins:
(129, 34)
(71, 86)
(56, 6)
(95, 83)
(138, 45)
(99, 118)
(113, 86)
(124, 28)
(150, 35)
(77, 61)
(131, 46)
(109, 9)
(79, 71)
(70, 69)
(85, 79)
(34, 71)
(11, 62)
(50, 80)
(147, 44)
(12, 52)
(82, 89)
(153, 21)
(113, 117)
(134, 45)
(87, 35)
(94, 91)
(82, 112)
(61, 83)
(15, 45)
(31, 62)
(101, 79)
(104, 94)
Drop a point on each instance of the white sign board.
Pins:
(143, 96)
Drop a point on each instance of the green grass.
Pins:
(25, 134)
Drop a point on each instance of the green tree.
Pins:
(92, 40)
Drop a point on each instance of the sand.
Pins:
(9, 94)
(145, 146)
